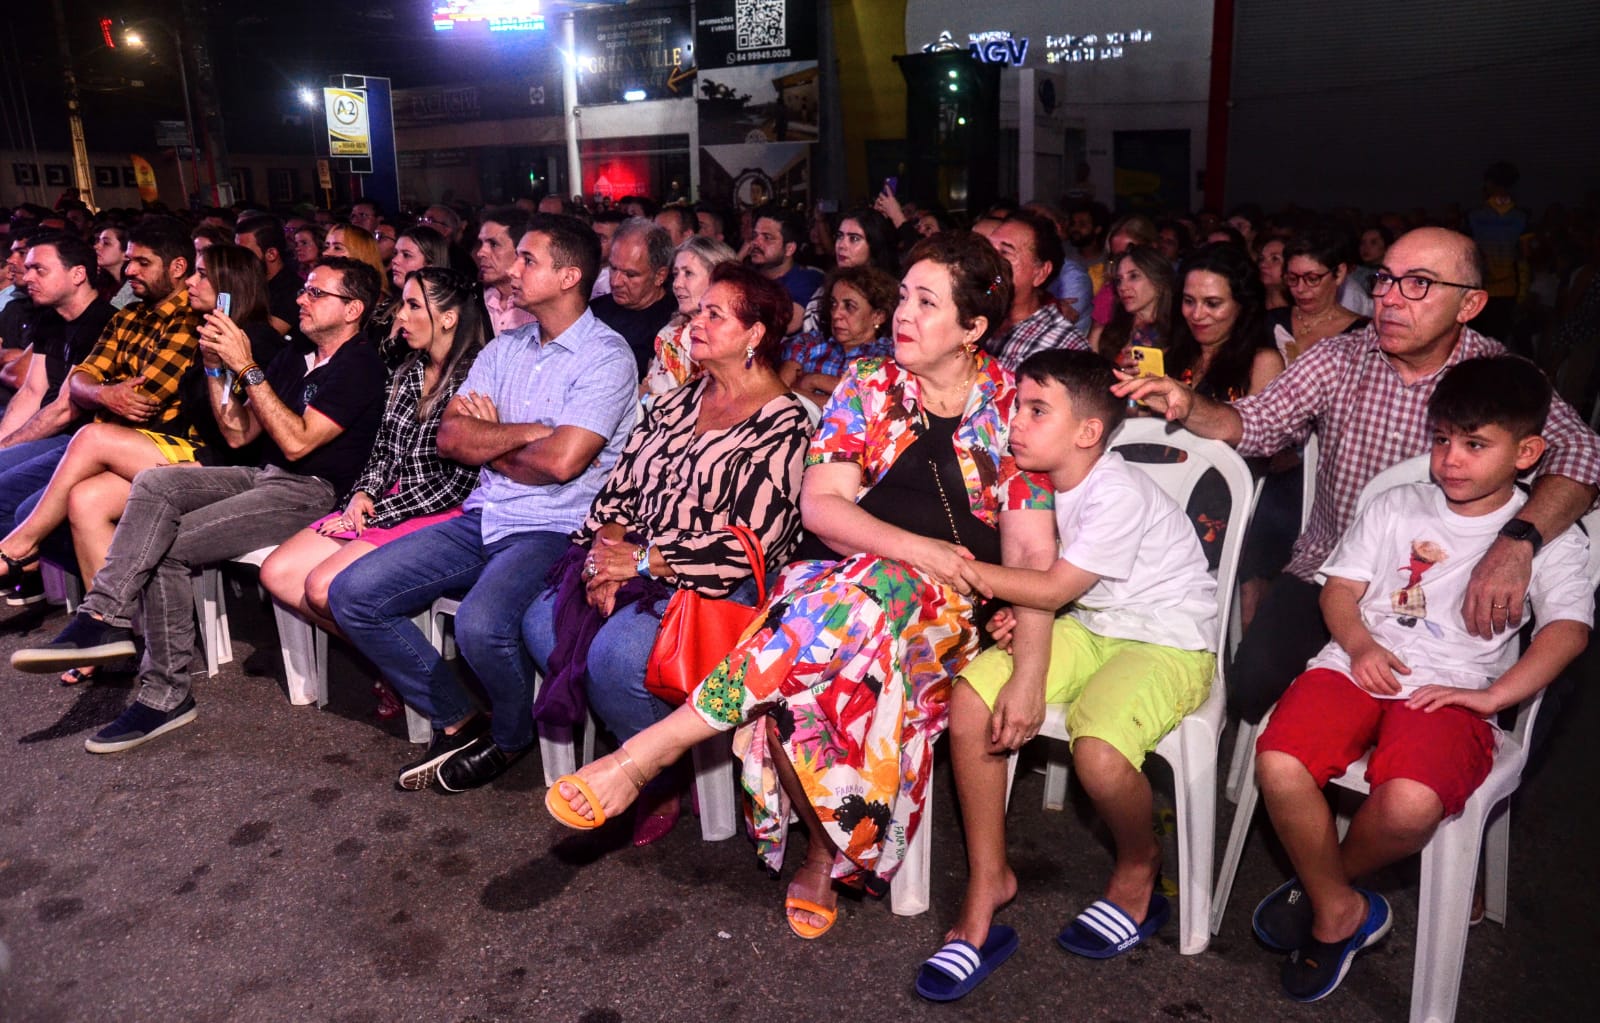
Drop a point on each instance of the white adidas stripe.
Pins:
(956, 960)
(1109, 922)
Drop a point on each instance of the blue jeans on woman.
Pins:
(374, 599)
(617, 660)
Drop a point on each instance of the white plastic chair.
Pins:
(1450, 860)
(557, 750)
(304, 646)
(1191, 748)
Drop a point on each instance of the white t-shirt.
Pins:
(1416, 555)
(1154, 586)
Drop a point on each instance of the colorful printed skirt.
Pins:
(852, 664)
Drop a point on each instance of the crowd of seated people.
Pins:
(565, 417)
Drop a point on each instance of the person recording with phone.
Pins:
(90, 487)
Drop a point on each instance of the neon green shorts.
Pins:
(1121, 691)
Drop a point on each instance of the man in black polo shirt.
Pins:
(316, 408)
(60, 277)
(263, 235)
(639, 304)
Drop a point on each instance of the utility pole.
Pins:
(194, 17)
(80, 149)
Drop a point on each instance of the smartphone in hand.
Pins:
(1148, 362)
(225, 303)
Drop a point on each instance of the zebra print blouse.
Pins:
(682, 491)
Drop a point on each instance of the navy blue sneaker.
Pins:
(138, 725)
(86, 640)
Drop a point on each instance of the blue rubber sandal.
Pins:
(958, 967)
(1314, 970)
(1105, 929)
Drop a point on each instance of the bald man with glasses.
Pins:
(1366, 394)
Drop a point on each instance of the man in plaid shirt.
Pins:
(1028, 241)
(130, 376)
(1366, 394)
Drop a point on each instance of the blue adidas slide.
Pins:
(953, 971)
(1313, 971)
(1105, 929)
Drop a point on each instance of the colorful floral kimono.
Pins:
(853, 660)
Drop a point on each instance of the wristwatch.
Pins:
(641, 564)
(253, 376)
(1522, 529)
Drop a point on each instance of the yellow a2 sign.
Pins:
(348, 132)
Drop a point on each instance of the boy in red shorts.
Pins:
(1404, 676)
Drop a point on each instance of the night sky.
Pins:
(261, 52)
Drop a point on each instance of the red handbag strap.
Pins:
(758, 559)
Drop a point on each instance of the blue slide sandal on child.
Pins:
(953, 971)
(1105, 929)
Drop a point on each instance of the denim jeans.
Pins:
(374, 599)
(25, 469)
(617, 660)
(179, 519)
(57, 544)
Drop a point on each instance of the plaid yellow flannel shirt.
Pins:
(160, 342)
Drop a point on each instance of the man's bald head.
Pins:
(1450, 254)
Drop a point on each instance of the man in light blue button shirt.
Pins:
(544, 410)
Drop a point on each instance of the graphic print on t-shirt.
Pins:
(1409, 602)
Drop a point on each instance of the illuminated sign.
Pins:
(348, 133)
(488, 15)
(1001, 47)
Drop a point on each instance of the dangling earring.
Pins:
(970, 348)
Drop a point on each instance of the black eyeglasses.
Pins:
(314, 294)
(1411, 286)
(1310, 280)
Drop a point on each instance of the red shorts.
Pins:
(1326, 722)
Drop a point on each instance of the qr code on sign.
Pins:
(759, 24)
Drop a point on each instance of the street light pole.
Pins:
(134, 39)
(80, 148)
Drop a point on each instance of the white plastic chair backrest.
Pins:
(1412, 470)
(1178, 480)
(1310, 454)
(813, 410)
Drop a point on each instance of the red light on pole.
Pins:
(105, 33)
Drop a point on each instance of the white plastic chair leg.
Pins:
(714, 788)
(418, 728)
(1496, 862)
(215, 642)
(1195, 790)
(1056, 771)
(1242, 816)
(1243, 762)
(305, 654)
(1449, 870)
(908, 892)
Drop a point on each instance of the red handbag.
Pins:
(697, 632)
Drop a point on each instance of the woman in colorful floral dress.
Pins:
(838, 691)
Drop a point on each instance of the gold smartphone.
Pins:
(1148, 362)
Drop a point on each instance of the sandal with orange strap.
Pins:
(561, 808)
(830, 914)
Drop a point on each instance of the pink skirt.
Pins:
(380, 535)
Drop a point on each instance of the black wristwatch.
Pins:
(1522, 529)
(255, 375)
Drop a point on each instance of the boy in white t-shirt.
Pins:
(1404, 675)
(1132, 655)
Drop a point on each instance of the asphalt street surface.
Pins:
(259, 864)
